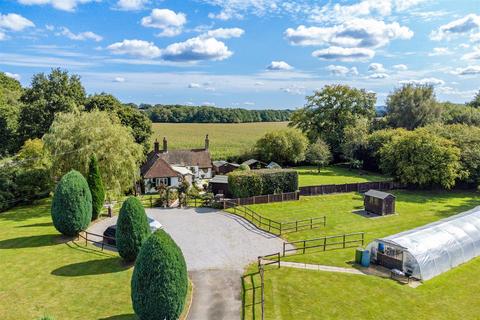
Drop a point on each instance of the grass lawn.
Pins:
(226, 139)
(309, 176)
(414, 208)
(44, 274)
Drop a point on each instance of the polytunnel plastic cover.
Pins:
(437, 247)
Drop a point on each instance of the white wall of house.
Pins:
(151, 184)
(201, 173)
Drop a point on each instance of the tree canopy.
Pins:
(331, 109)
(283, 146)
(10, 93)
(412, 106)
(74, 137)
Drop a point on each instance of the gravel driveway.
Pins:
(217, 246)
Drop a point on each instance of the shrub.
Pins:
(132, 229)
(159, 280)
(95, 184)
(318, 154)
(72, 204)
(244, 184)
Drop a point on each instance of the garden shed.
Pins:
(378, 202)
(430, 250)
(219, 185)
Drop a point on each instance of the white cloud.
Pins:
(194, 85)
(225, 33)
(119, 79)
(402, 5)
(442, 51)
(131, 4)
(14, 22)
(429, 15)
(15, 76)
(376, 68)
(475, 37)
(424, 81)
(342, 13)
(400, 67)
(294, 89)
(65, 5)
(3, 36)
(344, 54)
(82, 36)
(378, 76)
(197, 49)
(139, 48)
(279, 65)
(465, 25)
(342, 70)
(236, 9)
(170, 22)
(474, 55)
(470, 70)
(365, 33)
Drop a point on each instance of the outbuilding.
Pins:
(223, 167)
(219, 185)
(430, 250)
(379, 202)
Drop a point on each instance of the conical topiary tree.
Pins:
(96, 187)
(132, 229)
(72, 204)
(159, 280)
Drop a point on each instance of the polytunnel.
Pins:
(432, 249)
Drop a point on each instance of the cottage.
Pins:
(255, 164)
(379, 202)
(171, 167)
(224, 167)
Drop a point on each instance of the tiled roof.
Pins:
(158, 168)
(194, 157)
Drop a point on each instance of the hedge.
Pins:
(159, 280)
(132, 229)
(72, 204)
(96, 187)
(243, 184)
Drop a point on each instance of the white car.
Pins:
(154, 224)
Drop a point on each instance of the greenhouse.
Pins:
(430, 250)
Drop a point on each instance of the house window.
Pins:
(161, 181)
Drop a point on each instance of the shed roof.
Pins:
(219, 179)
(378, 194)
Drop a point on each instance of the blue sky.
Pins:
(245, 53)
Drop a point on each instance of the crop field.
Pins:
(226, 139)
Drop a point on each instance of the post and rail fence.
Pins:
(94, 239)
(272, 226)
(336, 242)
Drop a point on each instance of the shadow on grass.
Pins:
(34, 241)
(44, 224)
(40, 208)
(121, 317)
(92, 267)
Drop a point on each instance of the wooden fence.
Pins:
(342, 241)
(288, 196)
(271, 225)
(94, 238)
(349, 187)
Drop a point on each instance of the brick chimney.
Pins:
(207, 142)
(165, 145)
(156, 146)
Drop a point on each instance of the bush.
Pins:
(318, 154)
(159, 280)
(421, 158)
(244, 184)
(95, 184)
(132, 229)
(72, 204)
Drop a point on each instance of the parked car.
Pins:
(109, 233)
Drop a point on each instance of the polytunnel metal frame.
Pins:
(437, 247)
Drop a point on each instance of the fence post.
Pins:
(262, 293)
(151, 205)
(344, 240)
(254, 199)
(304, 246)
(324, 221)
(280, 230)
(363, 238)
(296, 226)
(311, 223)
(324, 243)
(284, 249)
(278, 256)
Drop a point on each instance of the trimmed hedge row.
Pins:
(243, 184)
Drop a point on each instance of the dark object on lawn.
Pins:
(109, 235)
(379, 202)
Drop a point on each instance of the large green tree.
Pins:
(129, 116)
(72, 204)
(282, 146)
(318, 153)
(475, 103)
(421, 158)
(10, 93)
(160, 279)
(48, 95)
(95, 184)
(74, 137)
(331, 109)
(412, 106)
